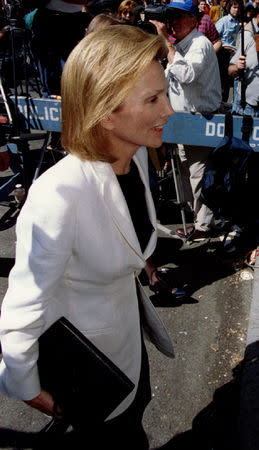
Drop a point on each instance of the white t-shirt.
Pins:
(59, 5)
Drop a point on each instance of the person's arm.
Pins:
(45, 233)
(188, 68)
(185, 69)
(220, 27)
(162, 31)
(238, 61)
(45, 404)
(154, 278)
(235, 69)
(4, 30)
(213, 35)
(217, 45)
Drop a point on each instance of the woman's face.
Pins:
(128, 15)
(143, 114)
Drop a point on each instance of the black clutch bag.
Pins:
(81, 379)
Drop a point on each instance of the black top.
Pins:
(134, 192)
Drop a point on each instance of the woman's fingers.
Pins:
(44, 402)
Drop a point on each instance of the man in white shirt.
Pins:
(194, 85)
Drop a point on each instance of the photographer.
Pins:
(57, 27)
(194, 85)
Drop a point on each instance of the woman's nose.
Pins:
(168, 110)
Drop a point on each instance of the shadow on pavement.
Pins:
(6, 265)
(230, 421)
(196, 266)
(216, 426)
(8, 220)
(38, 441)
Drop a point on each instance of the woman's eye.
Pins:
(153, 100)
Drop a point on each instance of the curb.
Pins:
(249, 394)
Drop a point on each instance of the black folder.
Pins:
(81, 379)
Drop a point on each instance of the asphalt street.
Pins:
(195, 395)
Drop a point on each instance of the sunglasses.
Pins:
(125, 12)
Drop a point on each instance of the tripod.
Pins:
(17, 63)
(173, 175)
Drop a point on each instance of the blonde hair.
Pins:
(97, 77)
(102, 21)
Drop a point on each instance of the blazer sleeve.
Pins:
(45, 233)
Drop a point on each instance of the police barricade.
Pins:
(185, 128)
(182, 127)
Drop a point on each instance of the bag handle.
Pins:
(228, 124)
(247, 127)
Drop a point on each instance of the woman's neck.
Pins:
(121, 167)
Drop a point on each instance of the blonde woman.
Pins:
(89, 226)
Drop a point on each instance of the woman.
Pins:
(126, 11)
(88, 227)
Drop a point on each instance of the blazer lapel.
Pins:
(115, 203)
(117, 207)
(151, 211)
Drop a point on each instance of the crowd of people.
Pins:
(56, 26)
(90, 219)
(199, 80)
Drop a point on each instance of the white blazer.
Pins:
(77, 255)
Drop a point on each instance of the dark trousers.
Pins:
(54, 35)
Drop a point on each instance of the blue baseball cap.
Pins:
(184, 5)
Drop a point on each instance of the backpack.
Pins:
(225, 183)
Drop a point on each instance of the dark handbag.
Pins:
(82, 380)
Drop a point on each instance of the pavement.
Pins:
(196, 397)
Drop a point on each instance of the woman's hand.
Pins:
(45, 403)
(155, 280)
(160, 285)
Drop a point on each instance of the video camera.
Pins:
(155, 11)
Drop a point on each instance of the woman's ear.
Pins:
(107, 122)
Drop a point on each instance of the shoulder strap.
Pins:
(228, 124)
(247, 127)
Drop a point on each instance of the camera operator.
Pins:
(57, 27)
(194, 85)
